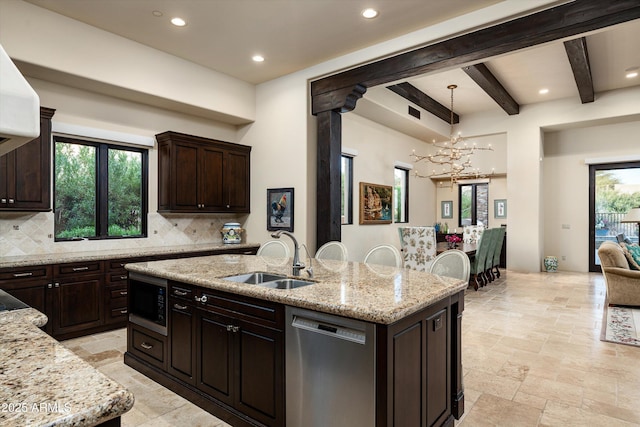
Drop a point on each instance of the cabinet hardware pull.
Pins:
(3, 200)
(235, 328)
(49, 286)
(22, 274)
(57, 285)
(146, 346)
(124, 292)
(203, 298)
(180, 307)
(124, 277)
(229, 328)
(80, 268)
(11, 201)
(123, 311)
(179, 293)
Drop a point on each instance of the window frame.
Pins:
(347, 208)
(405, 208)
(474, 207)
(102, 186)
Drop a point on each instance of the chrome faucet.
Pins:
(297, 265)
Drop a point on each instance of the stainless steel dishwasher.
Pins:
(330, 370)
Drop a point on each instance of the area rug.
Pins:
(622, 325)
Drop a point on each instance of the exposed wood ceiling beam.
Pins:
(579, 58)
(424, 101)
(480, 74)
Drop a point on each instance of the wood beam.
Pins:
(484, 78)
(559, 22)
(328, 193)
(424, 101)
(579, 59)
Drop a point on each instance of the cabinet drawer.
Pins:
(117, 264)
(260, 311)
(62, 270)
(178, 290)
(117, 293)
(121, 276)
(148, 347)
(118, 314)
(26, 273)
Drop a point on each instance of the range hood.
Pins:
(19, 107)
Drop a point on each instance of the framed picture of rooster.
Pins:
(280, 209)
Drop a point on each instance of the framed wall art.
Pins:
(446, 209)
(500, 208)
(280, 209)
(376, 202)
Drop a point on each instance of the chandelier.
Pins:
(453, 155)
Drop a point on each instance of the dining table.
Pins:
(467, 248)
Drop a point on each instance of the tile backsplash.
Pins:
(32, 234)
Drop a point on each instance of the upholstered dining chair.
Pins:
(494, 270)
(488, 264)
(332, 250)
(418, 247)
(479, 262)
(472, 233)
(452, 263)
(274, 248)
(384, 255)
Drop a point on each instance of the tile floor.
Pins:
(531, 354)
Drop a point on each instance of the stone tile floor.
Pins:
(532, 356)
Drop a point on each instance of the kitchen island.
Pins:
(224, 344)
(43, 384)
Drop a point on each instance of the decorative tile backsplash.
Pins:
(32, 234)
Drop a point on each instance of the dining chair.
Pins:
(488, 264)
(472, 233)
(418, 247)
(497, 252)
(452, 263)
(384, 255)
(274, 248)
(332, 250)
(479, 261)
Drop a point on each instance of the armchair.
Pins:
(623, 284)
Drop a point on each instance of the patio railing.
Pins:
(608, 225)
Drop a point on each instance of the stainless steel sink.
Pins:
(269, 280)
(287, 283)
(255, 278)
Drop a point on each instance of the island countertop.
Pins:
(42, 383)
(372, 293)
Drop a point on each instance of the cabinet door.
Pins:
(237, 181)
(77, 304)
(211, 184)
(214, 346)
(182, 352)
(260, 370)
(185, 177)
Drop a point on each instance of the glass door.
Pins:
(613, 190)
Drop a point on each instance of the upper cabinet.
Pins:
(25, 173)
(198, 174)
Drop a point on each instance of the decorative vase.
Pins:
(231, 233)
(551, 264)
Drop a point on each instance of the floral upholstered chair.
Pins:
(472, 233)
(418, 247)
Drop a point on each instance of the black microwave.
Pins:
(148, 302)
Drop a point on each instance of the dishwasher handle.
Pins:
(336, 331)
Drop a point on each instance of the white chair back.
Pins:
(384, 255)
(452, 263)
(274, 248)
(332, 250)
(472, 233)
(418, 247)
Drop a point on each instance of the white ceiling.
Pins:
(296, 34)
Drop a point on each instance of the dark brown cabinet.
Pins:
(31, 285)
(198, 174)
(25, 172)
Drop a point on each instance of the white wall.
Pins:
(566, 185)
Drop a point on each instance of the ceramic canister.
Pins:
(231, 232)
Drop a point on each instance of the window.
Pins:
(346, 184)
(473, 204)
(100, 190)
(401, 195)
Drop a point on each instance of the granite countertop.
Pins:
(64, 257)
(44, 384)
(372, 293)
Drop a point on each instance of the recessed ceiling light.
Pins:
(543, 91)
(631, 72)
(369, 13)
(258, 58)
(178, 22)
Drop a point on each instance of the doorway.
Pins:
(614, 188)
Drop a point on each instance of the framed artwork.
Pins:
(500, 208)
(376, 202)
(446, 209)
(280, 209)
